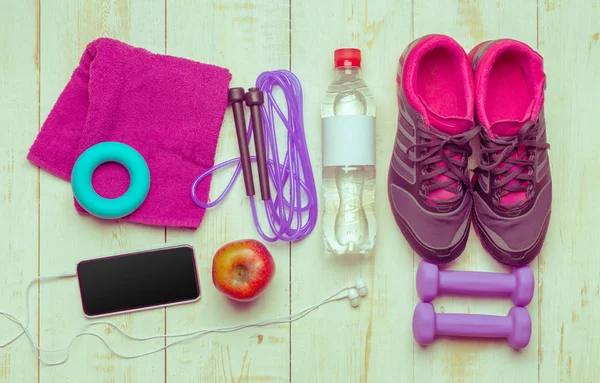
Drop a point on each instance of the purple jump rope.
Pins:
(292, 210)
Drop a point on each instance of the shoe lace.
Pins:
(501, 157)
(450, 154)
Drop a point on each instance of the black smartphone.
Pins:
(138, 280)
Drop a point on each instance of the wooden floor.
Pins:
(40, 233)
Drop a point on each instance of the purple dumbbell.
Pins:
(516, 326)
(518, 285)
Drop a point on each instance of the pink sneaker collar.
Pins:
(535, 74)
(410, 68)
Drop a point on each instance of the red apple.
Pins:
(243, 269)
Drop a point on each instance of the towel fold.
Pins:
(169, 109)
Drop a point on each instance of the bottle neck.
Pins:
(347, 73)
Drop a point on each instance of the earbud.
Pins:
(354, 297)
(361, 286)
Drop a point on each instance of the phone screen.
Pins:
(138, 280)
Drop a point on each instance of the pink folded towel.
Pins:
(168, 108)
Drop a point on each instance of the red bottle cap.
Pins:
(347, 57)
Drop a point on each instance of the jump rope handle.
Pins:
(254, 99)
(236, 99)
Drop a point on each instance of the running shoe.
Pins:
(428, 182)
(512, 183)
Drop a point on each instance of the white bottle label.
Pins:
(348, 140)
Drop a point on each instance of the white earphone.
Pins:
(354, 297)
(361, 286)
(354, 292)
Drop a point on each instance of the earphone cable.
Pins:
(183, 336)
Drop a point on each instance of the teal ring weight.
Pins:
(86, 164)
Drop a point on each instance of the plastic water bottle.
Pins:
(348, 122)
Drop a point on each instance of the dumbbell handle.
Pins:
(473, 325)
(470, 282)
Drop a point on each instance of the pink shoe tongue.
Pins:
(506, 128)
(451, 126)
